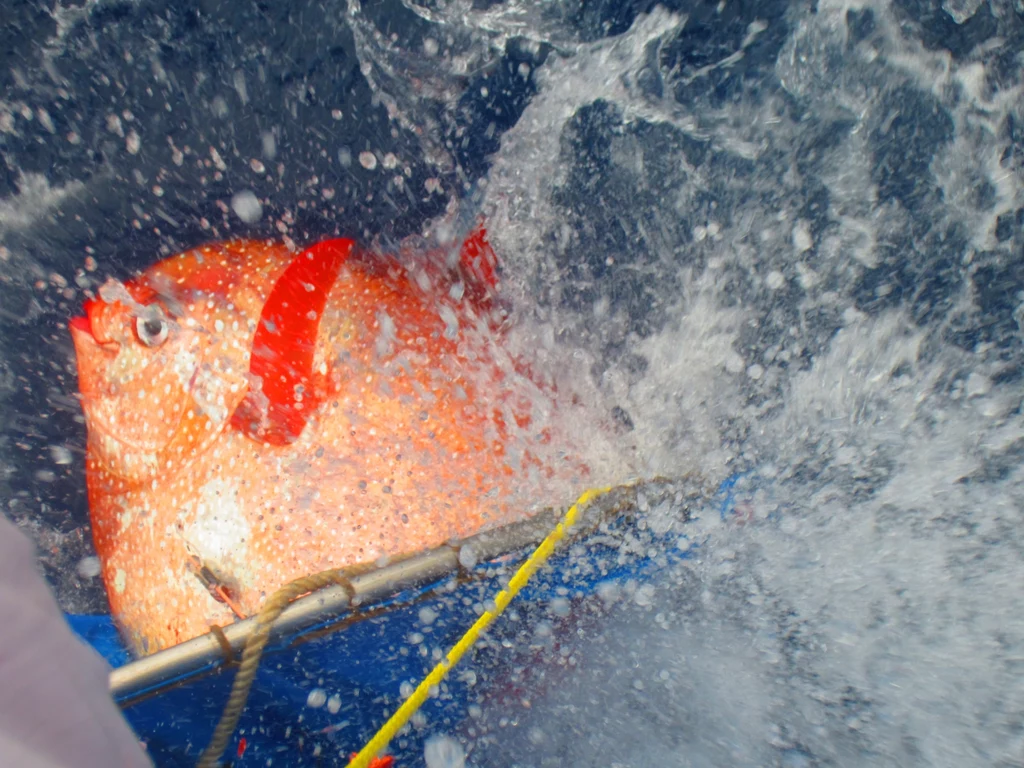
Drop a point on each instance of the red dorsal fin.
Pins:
(282, 349)
(478, 267)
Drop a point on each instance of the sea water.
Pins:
(794, 258)
(775, 245)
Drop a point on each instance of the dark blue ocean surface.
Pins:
(777, 239)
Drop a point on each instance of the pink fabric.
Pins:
(54, 707)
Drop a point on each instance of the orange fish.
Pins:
(256, 415)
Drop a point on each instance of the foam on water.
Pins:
(824, 258)
(771, 243)
(34, 199)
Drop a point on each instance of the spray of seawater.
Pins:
(775, 247)
(786, 276)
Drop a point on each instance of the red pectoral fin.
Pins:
(478, 266)
(276, 410)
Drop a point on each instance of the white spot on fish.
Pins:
(220, 531)
(120, 581)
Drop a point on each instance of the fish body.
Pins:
(256, 415)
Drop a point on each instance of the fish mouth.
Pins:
(87, 332)
(83, 335)
(81, 325)
(92, 354)
(129, 459)
(91, 323)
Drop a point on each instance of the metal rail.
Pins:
(205, 653)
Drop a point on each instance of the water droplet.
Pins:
(334, 704)
(444, 752)
(368, 160)
(88, 567)
(60, 454)
(467, 557)
(247, 207)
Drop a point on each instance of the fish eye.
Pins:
(152, 328)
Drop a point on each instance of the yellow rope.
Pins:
(519, 580)
(278, 601)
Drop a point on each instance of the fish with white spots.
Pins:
(255, 415)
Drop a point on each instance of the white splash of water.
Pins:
(34, 199)
(875, 585)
